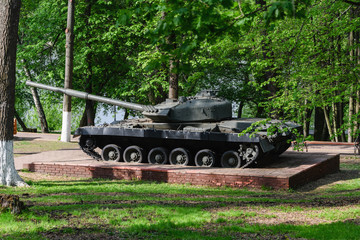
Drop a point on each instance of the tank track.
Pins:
(248, 163)
(91, 153)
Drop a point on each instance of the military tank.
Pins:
(196, 130)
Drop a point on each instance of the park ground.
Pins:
(78, 208)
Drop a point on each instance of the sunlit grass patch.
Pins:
(27, 222)
(29, 147)
(348, 185)
(350, 166)
(340, 213)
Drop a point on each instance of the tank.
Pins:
(197, 130)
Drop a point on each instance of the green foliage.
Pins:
(278, 59)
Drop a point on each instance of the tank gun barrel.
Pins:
(87, 96)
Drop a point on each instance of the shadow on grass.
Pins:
(342, 175)
(110, 233)
(188, 188)
(26, 153)
(169, 230)
(25, 138)
(348, 229)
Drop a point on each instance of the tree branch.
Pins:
(352, 2)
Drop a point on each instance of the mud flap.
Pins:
(266, 146)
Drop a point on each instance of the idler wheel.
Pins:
(87, 142)
(230, 159)
(205, 158)
(158, 155)
(179, 156)
(111, 152)
(133, 154)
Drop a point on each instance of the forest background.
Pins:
(294, 60)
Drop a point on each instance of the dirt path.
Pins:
(29, 136)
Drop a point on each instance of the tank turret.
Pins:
(203, 107)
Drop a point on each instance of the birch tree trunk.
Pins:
(351, 98)
(335, 121)
(328, 124)
(357, 102)
(69, 58)
(306, 120)
(9, 21)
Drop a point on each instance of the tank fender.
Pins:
(265, 145)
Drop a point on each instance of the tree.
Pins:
(291, 59)
(9, 20)
(41, 57)
(69, 59)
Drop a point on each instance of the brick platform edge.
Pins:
(332, 165)
(194, 176)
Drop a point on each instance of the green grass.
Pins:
(136, 209)
(350, 166)
(100, 209)
(31, 147)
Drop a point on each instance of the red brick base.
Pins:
(291, 171)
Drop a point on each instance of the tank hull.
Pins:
(202, 144)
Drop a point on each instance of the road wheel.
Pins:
(205, 158)
(111, 152)
(230, 159)
(158, 155)
(179, 156)
(133, 154)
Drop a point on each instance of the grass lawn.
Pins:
(30, 147)
(73, 208)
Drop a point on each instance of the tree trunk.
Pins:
(350, 117)
(240, 109)
(83, 120)
(260, 112)
(320, 129)
(351, 98)
(173, 65)
(20, 121)
(357, 102)
(340, 120)
(357, 108)
(40, 110)
(328, 124)
(173, 75)
(9, 22)
(90, 113)
(69, 58)
(126, 114)
(38, 106)
(306, 121)
(335, 121)
(89, 105)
